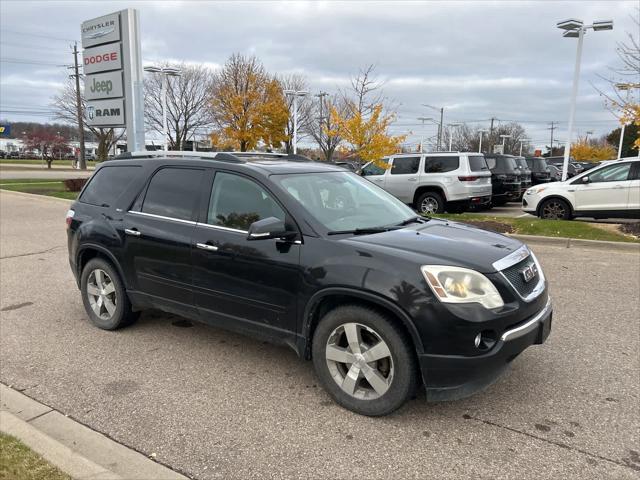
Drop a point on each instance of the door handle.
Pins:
(206, 246)
(132, 231)
(377, 179)
(617, 187)
(413, 179)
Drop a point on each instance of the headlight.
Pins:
(531, 191)
(461, 285)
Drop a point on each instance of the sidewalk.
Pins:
(75, 449)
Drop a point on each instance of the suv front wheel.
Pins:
(555, 209)
(104, 296)
(430, 203)
(364, 361)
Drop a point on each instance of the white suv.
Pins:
(434, 182)
(611, 190)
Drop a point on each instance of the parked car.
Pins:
(348, 165)
(434, 182)
(3, 154)
(311, 256)
(611, 190)
(505, 179)
(559, 161)
(89, 157)
(588, 165)
(525, 174)
(540, 172)
(555, 172)
(14, 154)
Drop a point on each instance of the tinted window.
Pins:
(372, 169)
(108, 184)
(405, 165)
(491, 163)
(537, 164)
(477, 163)
(612, 173)
(173, 193)
(237, 202)
(441, 164)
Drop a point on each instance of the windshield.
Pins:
(522, 163)
(344, 201)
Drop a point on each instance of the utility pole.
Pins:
(491, 135)
(82, 164)
(552, 128)
(321, 96)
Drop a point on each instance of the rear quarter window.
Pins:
(477, 163)
(441, 164)
(107, 184)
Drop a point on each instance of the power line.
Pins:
(29, 34)
(32, 47)
(29, 62)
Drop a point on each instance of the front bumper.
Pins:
(451, 377)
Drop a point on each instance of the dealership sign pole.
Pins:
(113, 74)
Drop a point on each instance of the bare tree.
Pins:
(320, 124)
(64, 104)
(467, 139)
(298, 83)
(366, 91)
(188, 99)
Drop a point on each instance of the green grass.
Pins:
(52, 188)
(548, 228)
(17, 461)
(37, 161)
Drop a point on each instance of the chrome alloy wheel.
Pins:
(429, 205)
(553, 210)
(359, 361)
(101, 293)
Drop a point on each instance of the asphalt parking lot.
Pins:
(212, 404)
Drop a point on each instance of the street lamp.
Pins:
(295, 94)
(166, 72)
(455, 124)
(423, 119)
(626, 87)
(504, 137)
(576, 29)
(440, 126)
(481, 132)
(522, 141)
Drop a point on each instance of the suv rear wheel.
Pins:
(364, 361)
(104, 297)
(429, 203)
(555, 209)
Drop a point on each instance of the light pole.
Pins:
(441, 125)
(451, 133)
(295, 94)
(166, 72)
(522, 141)
(423, 119)
(321, 96)
(481, 132)
(576, 29)
(504, 137)
(626, 87)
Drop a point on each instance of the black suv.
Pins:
(314, 257)
(540, 172)
(525, 174)
(506, 181)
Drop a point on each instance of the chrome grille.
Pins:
(514, 274)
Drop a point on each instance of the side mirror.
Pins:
(266, 228)
(585, 179)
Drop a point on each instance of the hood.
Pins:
(442, 242)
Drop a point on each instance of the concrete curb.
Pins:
(74, 448)
(578, 243)
(32, 195)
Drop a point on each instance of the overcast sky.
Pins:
(477, 59)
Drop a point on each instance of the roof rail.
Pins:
(234, 157)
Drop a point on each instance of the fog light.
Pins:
(477, 340)
(485, 340)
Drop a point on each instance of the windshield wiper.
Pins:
(417, 218)
(363, 231)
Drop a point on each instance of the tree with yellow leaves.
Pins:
(248, 106)
(585, 151)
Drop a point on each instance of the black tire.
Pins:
(123, 314)
(555, 209)
(402, 368)
(433, 199)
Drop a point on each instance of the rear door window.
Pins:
(405, 165)
(372, 169)
(613, 173)
(173, 193)
(441, 164)
(477, 163)
(107, 184)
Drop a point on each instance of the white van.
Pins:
(435, 182)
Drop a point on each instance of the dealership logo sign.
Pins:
(101, 30)
(105, 113)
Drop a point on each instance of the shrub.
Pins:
(74, 184)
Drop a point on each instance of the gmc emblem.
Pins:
(529, 273)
